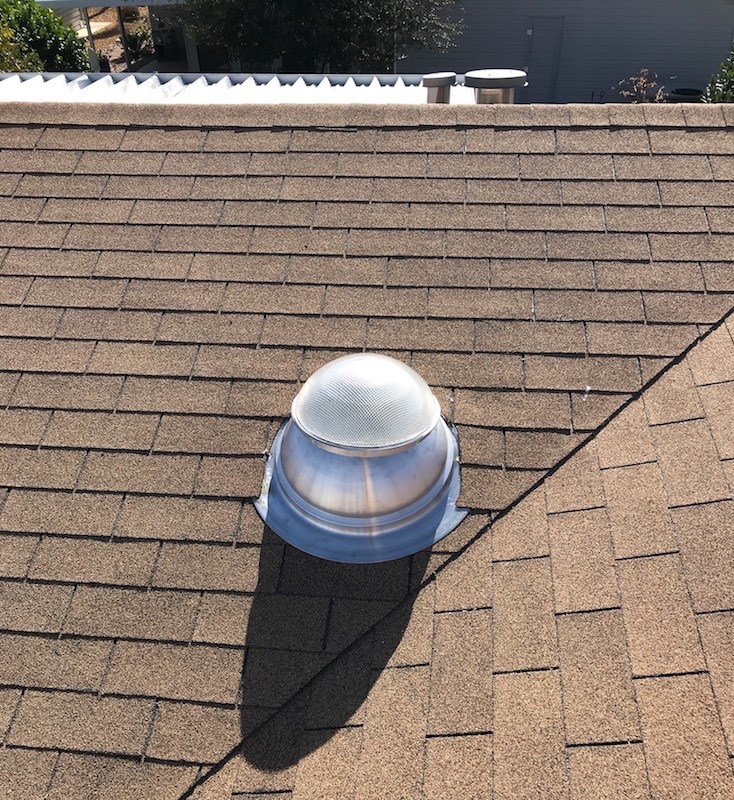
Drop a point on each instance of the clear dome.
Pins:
(365, 401)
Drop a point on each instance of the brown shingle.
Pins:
(105, 778)
(241, 362)
(352, 271)
(583, 565)
(33, 607)
(609, 193)
(391, 760)
(107, 236)
(142, 359)
(690, 464)
(691, 193)
(718, 402)
(481, 446)
(46, 469)
(174, 296)
(539, 274)
(28, 770)
(566, 166)
(638, 513)
(659, 275)
(458, 766)
(229, 477)
(39, 355)
(44, 663)
(13, 290)
(661, 631)
(626, 440)
(173, 396)
(602, 141)
(593, 373)
(210, 328)
(139, 473)
(194, 733)
(111, 325)
(178, 518)
(495, 490)
(659, 167)
(374, 302)
(513, 409)
(16, 553)
(685, 307)
(712, 360)
(577, 484)
(132, 613)
(320, 332)
(222, 618)
(550, 218)
(608, 773)
(717, 638)
(598, 698)
(82, 722)
(523, 533)
(471, 166)
(420, 334)
(216, 435)
(91, 561)
(628, 339)
(528, 738)
(108, 431)
(683, 759)
(493, 244)
(480, 304)
(467, 583)
(47, 262)
(673, 398)
(530, 337)
(703, 532)
(197, 672)
(18, 426)
(524, 628)
(507, 191)
(60, 512)
(628, 246)
(199, 566)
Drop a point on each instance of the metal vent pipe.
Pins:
(439, 86)
(495, 85)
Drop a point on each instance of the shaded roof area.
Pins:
(169, 278)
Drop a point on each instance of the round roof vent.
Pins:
(366, 469)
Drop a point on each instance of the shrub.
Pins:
(139, 42)
(12, 56)
(38, 30)
(721, 86)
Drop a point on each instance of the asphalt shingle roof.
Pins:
(170, 276)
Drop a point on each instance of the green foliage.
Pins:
(321, 35)
(12, 56)
(721, 86)
(37, 30)
(642, 88)
(139, 42)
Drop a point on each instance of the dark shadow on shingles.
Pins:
(319, 609)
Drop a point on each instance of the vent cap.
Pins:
(366, 401)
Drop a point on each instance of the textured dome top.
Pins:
(365, 400)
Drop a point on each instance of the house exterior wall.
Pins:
(580, 49)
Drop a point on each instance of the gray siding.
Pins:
(600, 42)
